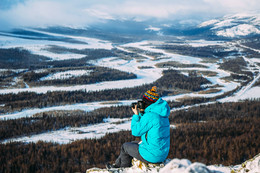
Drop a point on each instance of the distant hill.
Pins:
(232, 26)
(229, 27)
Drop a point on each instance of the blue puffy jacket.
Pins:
(154, 128)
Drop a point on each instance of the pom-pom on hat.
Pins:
(151, 95)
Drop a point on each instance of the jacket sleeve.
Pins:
(140, 125)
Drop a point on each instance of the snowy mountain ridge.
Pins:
(229, 26)
(243, 24)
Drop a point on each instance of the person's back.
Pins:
(154, 128)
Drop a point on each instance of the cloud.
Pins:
(43, 13)
(40, 13)
(233, 6)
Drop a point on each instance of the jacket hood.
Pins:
(160, 107)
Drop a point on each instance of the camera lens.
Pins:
(141, 105)
(133, 105)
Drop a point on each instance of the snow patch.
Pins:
(151, 28)
(210, 22)
(203, 43)
(81, 106)
(70, 134)
(67, 74)
(252, 93)
(185, 166)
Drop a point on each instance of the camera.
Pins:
(140, 105)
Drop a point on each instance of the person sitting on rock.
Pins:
(151, 123)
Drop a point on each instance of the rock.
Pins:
(184, 166)
(249, 166)
(144, 167)
(198, 168)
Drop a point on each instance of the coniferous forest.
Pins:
(171, 79)
(220, 133)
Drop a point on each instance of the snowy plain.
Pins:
(144, 76)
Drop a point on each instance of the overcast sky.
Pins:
(80, 13)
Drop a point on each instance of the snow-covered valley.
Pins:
(146, 66)
(144, 76)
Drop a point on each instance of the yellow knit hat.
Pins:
(151, 94)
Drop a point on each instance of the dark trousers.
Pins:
(128, 151)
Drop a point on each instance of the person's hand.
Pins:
(135, 110)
